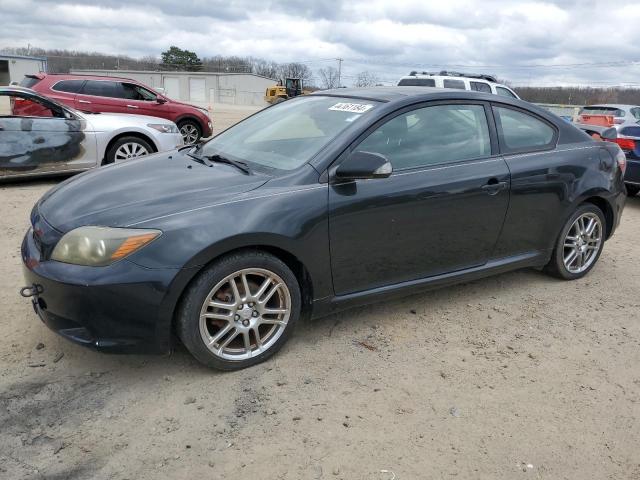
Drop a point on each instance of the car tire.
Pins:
(632, 190)
(229, 329)
(576, 250)
(190, 130)
(126, 148)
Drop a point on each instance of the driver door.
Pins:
(37, 137)
(440, 211)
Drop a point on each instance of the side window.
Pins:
(480, 87)
(504, 92)
(136, 92)
(101, 88)
(19, 106)
(519, 131)
(432, 135)
(636, 113)
(70, 86)
(417, 82)
(448, 83)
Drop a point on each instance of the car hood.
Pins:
(137, 190)
(102, 122)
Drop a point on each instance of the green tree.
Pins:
(178, 59)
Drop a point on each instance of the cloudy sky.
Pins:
(527, 42)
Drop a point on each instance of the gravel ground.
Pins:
(514, 376)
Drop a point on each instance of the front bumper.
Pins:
(122, 308)
(168, 141)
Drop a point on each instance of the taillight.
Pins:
(626, 143)
(621, 159)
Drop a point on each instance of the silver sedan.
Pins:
(38, 136)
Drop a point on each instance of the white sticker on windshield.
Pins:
(351, 107)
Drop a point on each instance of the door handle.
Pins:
(493, 186)
(84, 101)
(132, 106)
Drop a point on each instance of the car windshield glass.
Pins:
(289, 134)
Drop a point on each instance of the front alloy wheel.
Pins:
(240, 310)
(190, 133)
(245, 314)
(130, 150)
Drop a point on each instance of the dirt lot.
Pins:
(515, 376)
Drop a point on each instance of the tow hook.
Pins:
(31, 291)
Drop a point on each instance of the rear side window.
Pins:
(417, 82)
(459, 84)
(480, 87)
(636, 113)
(70, 86)
(101, 88)
(505, 92)
(520, 132)
(29, 81)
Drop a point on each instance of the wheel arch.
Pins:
(117, 137)
(606, 209)
(291, 260)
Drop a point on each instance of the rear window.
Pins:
(505, 92)
(600, 110)
(630, 131)
(417, 82)
(480, 87)
(459, 84)
(103, 88)
(71, 86)
(29, 81)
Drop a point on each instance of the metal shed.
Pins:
(200, 87)
(14, 67)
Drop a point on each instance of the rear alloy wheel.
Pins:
(632, 190)
(240, 311)
(580, 244)
(190, 132)
(127, 148)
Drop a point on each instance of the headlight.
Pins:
(163, 127)
(100, 246)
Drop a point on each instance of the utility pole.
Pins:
(339, 72)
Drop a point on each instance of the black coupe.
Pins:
(320, 203)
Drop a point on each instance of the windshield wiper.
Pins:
(236, 163)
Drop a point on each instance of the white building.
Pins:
(13, 68)
(199, 87)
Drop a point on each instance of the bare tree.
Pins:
(366, 79)
(265, 68)
(329, 77)
(296, 70)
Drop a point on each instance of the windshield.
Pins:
(290, 134)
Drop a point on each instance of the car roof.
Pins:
(398, 93)
(81, 76)
(619, 106)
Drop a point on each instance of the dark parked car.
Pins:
(317, 204)
(95, 94)
(624, 119)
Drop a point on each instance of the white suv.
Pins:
(461, 81)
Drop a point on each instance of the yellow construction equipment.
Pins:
(291, 87)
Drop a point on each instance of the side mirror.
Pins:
(364, 165)
(160, 100)
(609, 134)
